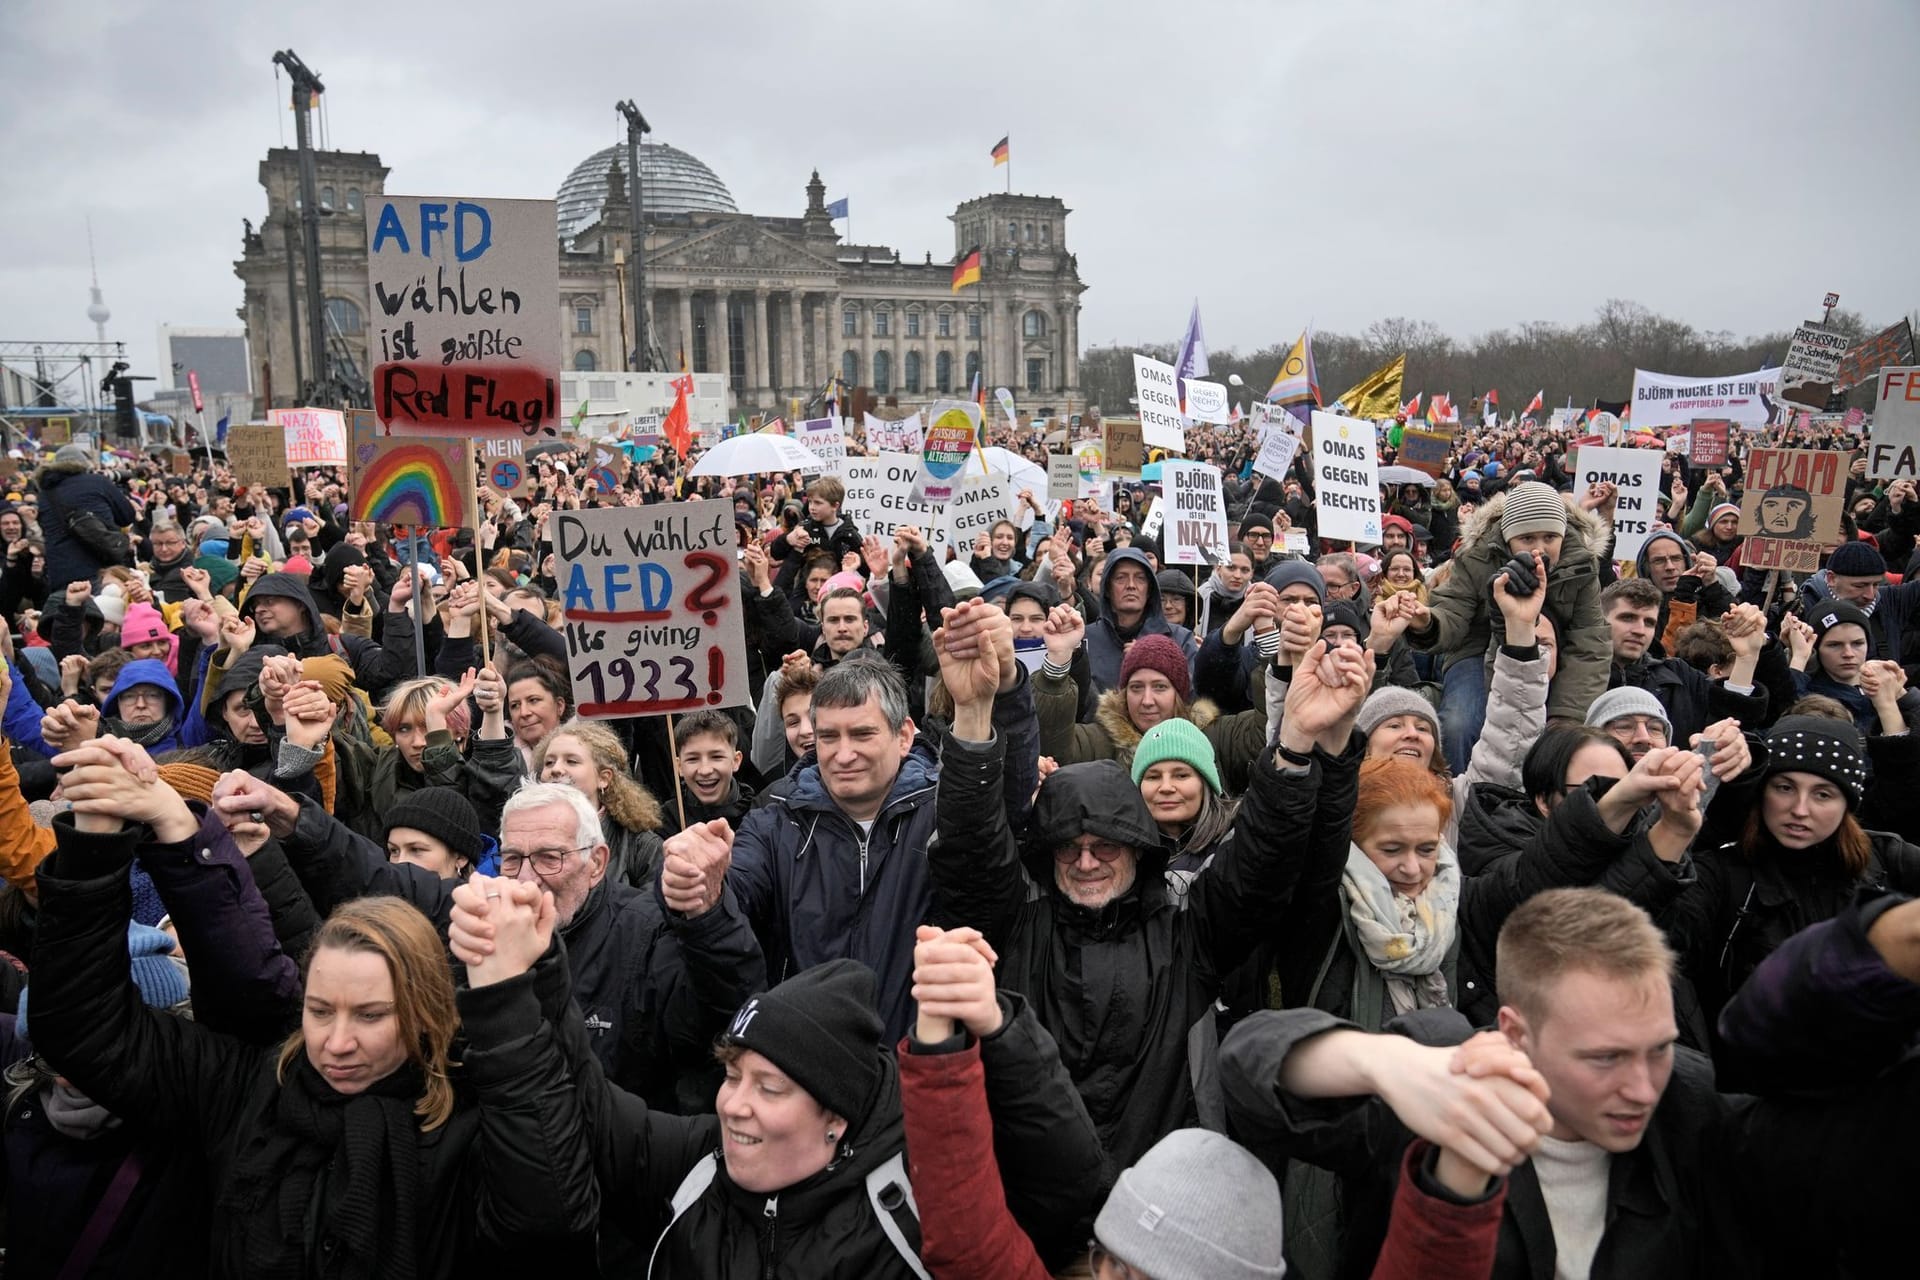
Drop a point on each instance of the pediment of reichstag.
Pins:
(741, 248)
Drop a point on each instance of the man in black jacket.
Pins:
(1691, 698)
(69, 487)
(284, 611)
(1647, 1170)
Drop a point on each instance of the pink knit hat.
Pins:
(142, 623)
(845, 578)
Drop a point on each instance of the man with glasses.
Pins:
(168, 553)
(1256, 532)
(656, 973)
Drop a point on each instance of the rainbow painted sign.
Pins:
(411, 480)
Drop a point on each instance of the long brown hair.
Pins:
(1851, 844)
(422, 990)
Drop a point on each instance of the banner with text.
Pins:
(1895, 443)
(1346, 469)
(1196, 513)
(650, 601)
(1635, 475)
(1672, 400)
(1790, 511)
(1157, 389)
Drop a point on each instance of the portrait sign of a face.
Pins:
(1786, 511)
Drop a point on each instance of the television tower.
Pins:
(97, 309)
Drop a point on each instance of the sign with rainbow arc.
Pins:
(411, 480)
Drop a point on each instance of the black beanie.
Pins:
(1828, 614)
(819, 1027)
(1832, 749)
(442, 813)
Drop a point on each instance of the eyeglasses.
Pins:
(546, 862)
(1257, 533)
(1104, 850)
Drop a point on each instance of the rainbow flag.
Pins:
(1000, 152)
(967, 270)
(1297, 383)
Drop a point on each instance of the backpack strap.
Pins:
(691, 1188)
(106, 1215)
(891, 1193)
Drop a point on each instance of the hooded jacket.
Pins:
(1121, 987)
(374, 668)
(1106, 644)
(66, 488)
(1690, 600)
(1463, 606)
(154, 672)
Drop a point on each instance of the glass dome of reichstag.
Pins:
(671, 181)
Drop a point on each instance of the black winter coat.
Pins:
(375, 669)
(505, 1169)
(65, 489)
(1121, 988)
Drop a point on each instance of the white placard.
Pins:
(1295, 540)
(1813, 359)
(1276, 454)
(825, 440)
(1346, 471)
(1155, 517)
(1156, 388)
(979, 505)
(1673, 400)
(877, 495)
(1636, 474)
(1206, 401)
(315, 437)
(1196, 504)
(1893, 451)
(1063, 477)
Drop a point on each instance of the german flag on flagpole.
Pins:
(967, 270)
(1001, 154)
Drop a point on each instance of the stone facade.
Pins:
(777, 304)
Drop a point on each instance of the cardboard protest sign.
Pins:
(413, 480)
(461, 294)
(1157, 389)
(951, 434)
(315, 437)
(1812, 364)
(1425, 451)
(1276, 454)
(1790, 511)
(1063, 477)
(1708, 445)
(257, 454)
(55, 432)
(1124, 449)
(1893, 345)
(1671, 400)
(1635, 475)
(651, 605)
(1196, 503)
(1346, 469)
(1894, 452)
(1206, 401)
(824, 438)
(180, 464)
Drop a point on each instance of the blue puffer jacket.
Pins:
(816, 887)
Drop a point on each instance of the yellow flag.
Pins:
(1378, 394)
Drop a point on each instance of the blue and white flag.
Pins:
(220, 430)
(838, 209)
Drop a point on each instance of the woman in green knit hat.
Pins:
(1178, 777)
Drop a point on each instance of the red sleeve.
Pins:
(965, 1230)
(1431, 1238)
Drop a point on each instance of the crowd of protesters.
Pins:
(1477, 903)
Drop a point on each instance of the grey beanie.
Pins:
(1385, 703)
(1288, 572)
(1198, 1206)
(1627, 701)
(1532, 507)
(73, 455)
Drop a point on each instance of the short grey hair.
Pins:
(859, 678)
(545, 795)
(165, 526)
(1343, 561)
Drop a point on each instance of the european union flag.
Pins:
(220, 430)
(838, 209)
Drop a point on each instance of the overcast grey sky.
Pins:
(1476, 164)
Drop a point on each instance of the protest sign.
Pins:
(1276, 454)
(1091, 455)
(1346, 469)
(1893, 345)
(1812, 364)
(1790, 511)
(1635, 475)
(1672, 400)
(953, 428)
(1708, 446)
(55, 432)
(1124, 450)
(1155, 517)
(461, 294)
(823, 437)
(414, 480)
(1063, 477)
(1565, 419)
(1425, 451)
(1296, 541)
(976, 507)
(650, 600)
(1156, 388)
(1005, 397)
(1895, 446)
(257, 454)
(879, 495)
(315, 437)
(1206, 401)
(902, 436)
(1680, 442)
(1196, 523)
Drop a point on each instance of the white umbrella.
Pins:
(1021, 471)
(1405, 475)
(756, 454)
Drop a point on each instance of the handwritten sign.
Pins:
(1635, 474)
(1196, 518)
(315, 437)
(1063, 477)
(951, 434)
(461, 293)
(1425, 451)
(1708, 446)
(1812, 364)
(1790, 511)
(651, 605)
(257, 454)
(55, 432)
(1346, 469)
(1124, 448)
(1156, 387)
(1894, 453)
(411, 480)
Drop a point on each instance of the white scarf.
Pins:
(1405, 939)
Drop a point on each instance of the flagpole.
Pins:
(1009, 164)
